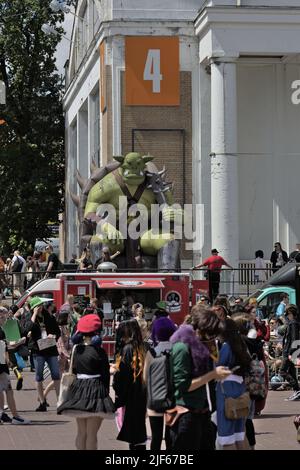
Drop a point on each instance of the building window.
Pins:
(73, 153)
(77, 50)
(95, 127)
(85, 31)
(96, 18)
(72, 218)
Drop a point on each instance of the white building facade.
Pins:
(234, 133)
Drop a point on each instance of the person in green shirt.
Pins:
(192, 359)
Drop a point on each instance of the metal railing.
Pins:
(247, 272)
(240, 282)
(14, 284)
(236, 282)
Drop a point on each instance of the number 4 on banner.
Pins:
(152, 69)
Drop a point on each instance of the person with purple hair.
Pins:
(191, 357)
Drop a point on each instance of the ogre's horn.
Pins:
(147, 158)
(75, 199)
(119, 158)
(93, 166)
(81, 181)
(162, 172)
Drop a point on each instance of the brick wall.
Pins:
(165, 146)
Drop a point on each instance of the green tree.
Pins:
(32, 138)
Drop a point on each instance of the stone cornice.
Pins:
(225, 16)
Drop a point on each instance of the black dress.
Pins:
(89, 395)
(131, 394)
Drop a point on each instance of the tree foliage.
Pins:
(32, 138)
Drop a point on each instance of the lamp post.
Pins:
(59, 5)
(49, 29)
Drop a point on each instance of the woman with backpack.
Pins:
(88, 396)
(129, 385)
(162, 330)
(260, 330)
(233, 354)
(255, 348)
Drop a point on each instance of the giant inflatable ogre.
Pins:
(134, 180)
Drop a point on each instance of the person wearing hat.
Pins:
(43, 326)
(289, 346)
(88, 397)
(162, 309)
(214, 265)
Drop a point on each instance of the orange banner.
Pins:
(152, 71)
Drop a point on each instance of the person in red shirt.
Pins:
(214, 265)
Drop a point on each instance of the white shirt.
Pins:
(260, 264)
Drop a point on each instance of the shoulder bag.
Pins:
(236, 408)
(66, 381)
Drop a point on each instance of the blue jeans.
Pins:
(39, 364)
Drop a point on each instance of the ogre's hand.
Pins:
(111, 233)
(170, 214)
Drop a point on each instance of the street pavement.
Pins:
(48, 431)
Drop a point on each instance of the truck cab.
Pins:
(284, 281)
(269, 298)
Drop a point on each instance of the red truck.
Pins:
(178, 289)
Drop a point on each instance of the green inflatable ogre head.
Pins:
(133, 167)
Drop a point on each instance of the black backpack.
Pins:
(160, 395)
(17, 266)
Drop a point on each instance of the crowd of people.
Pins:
(200, 384)
(216, 357)
(18, 274)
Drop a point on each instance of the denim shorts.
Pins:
(39, 364)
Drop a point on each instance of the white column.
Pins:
(224, 171)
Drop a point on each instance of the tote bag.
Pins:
(66, 381)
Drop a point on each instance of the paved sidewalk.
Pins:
(48, 431)
(275, 429)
